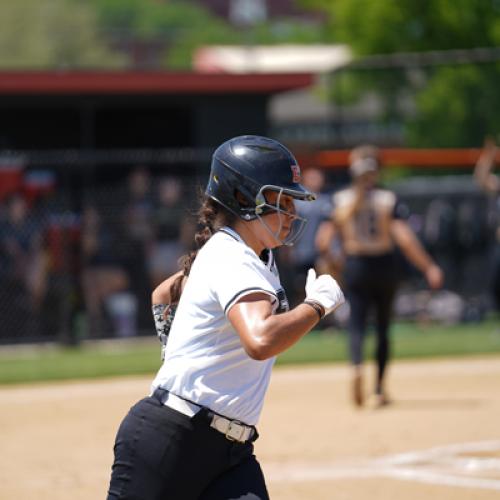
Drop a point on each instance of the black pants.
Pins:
(370, 282)
(495, 275)
(162, 454)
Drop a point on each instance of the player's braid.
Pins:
(211, 217)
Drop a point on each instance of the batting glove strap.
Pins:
(317, 307)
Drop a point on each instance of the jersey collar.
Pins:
(231, 232)
(268, 257)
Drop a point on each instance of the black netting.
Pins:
(82, 244)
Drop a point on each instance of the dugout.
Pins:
(94, 112)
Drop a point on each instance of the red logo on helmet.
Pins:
(295, 173)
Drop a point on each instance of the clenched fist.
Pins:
(324, 290)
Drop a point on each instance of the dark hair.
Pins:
(211, 217)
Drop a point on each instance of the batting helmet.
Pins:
(250, 165)
(244, 167)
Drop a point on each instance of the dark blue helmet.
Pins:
(250, 165)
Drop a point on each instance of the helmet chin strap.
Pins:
(292, 237)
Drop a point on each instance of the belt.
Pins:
(233, 430)
(179, 404)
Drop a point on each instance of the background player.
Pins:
(303, 255)
(193, 437)
(490, 183)
(368, 222)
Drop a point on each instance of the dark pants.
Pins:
(495, 275)
(370, 282)
(162, 454)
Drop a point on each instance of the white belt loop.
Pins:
(181, 405)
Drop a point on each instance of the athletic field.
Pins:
(439, 440)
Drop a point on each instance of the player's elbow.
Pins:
(259, 349)
(156, 296)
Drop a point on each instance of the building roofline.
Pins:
(143, 82)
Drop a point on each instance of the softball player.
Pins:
(490, 183)
(368, 221)
(193, 436)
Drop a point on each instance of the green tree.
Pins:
(455, 105)
(387, 26)
(171, 30)
(41, 34)
(177, 28)
(458, 107)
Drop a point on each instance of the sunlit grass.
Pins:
(142, 356)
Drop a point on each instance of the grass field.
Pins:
(142, 356)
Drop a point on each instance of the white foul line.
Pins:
(440, 466)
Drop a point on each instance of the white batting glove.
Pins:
(324, 290)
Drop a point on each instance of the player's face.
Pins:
(279, 222)
(368, 180)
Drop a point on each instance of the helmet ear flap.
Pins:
(246, 201)
(241, 198)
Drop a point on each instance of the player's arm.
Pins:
(483, 169)
(162, 309)
(324, 236)
(406, 239)
(264, 334)
(161, 294)
(327, 261)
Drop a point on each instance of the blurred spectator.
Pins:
(368, 222)
(135, 239)
(104, 280)
(172, 229)
(303, 254)
(490, 183)
(22, 265)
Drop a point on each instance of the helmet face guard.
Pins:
(243, 168)
(264, 208)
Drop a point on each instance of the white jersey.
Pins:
(205, 361)
(366, 230)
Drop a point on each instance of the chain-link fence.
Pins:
(439, 101)
(83, 243)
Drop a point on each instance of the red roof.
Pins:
(123, 82)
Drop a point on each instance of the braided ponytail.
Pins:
(211, 217)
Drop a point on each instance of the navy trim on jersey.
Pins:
(271, 259)
(239, 294)
(230, 232)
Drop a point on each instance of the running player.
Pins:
(368, 222)
(193, 436)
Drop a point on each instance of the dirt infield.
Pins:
(439, 440)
